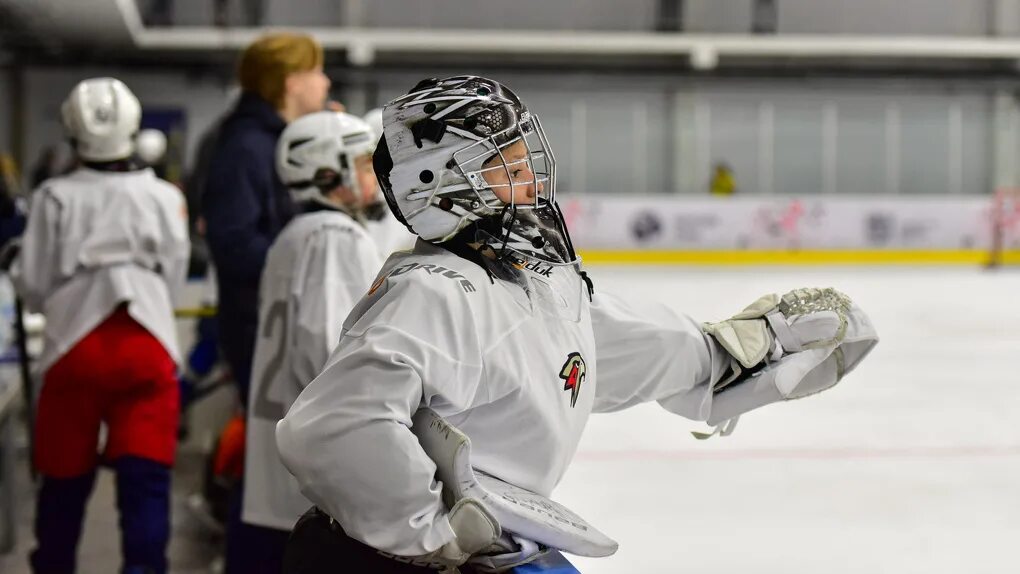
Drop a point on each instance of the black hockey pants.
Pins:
(319, 546)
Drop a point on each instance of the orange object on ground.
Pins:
(228, 461)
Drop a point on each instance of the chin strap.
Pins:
(118, 165)
(588, 282)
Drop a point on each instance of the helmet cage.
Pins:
(473, 162)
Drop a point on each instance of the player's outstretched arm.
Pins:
(776, 349)
(648, 352)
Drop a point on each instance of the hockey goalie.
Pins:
(440, 425)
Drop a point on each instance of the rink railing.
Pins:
(787, 230)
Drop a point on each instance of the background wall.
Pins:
(902, 17)
(651, 134)
(626, 130)
(658, 134)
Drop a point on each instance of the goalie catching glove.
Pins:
(789, 347)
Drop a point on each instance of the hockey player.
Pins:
(491, 323)
(103, 257)
(321, 264)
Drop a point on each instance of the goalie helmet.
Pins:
(445, 154)
(316, 153)
(102, 116)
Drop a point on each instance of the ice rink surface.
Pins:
(910, 465)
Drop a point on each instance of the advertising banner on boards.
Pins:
(779, 223)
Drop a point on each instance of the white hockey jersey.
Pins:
(517, 365)
(320, 265)
(389, 234)
(97, 239)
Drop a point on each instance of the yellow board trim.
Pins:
(195, 312)
(805, 257)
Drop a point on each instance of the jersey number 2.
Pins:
(266, 408)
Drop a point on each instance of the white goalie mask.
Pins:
(316, 153)
(450, 146)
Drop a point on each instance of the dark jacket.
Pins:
(245, 206)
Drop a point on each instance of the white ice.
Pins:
(910, 465)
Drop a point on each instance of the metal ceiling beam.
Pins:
(704, 50)
(98, 23)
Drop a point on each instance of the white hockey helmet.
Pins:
(150, 145)
(316, 153)
(102, 116)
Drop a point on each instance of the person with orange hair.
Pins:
(245, 206)
(244, 202)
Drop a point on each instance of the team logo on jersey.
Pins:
(573, 373)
